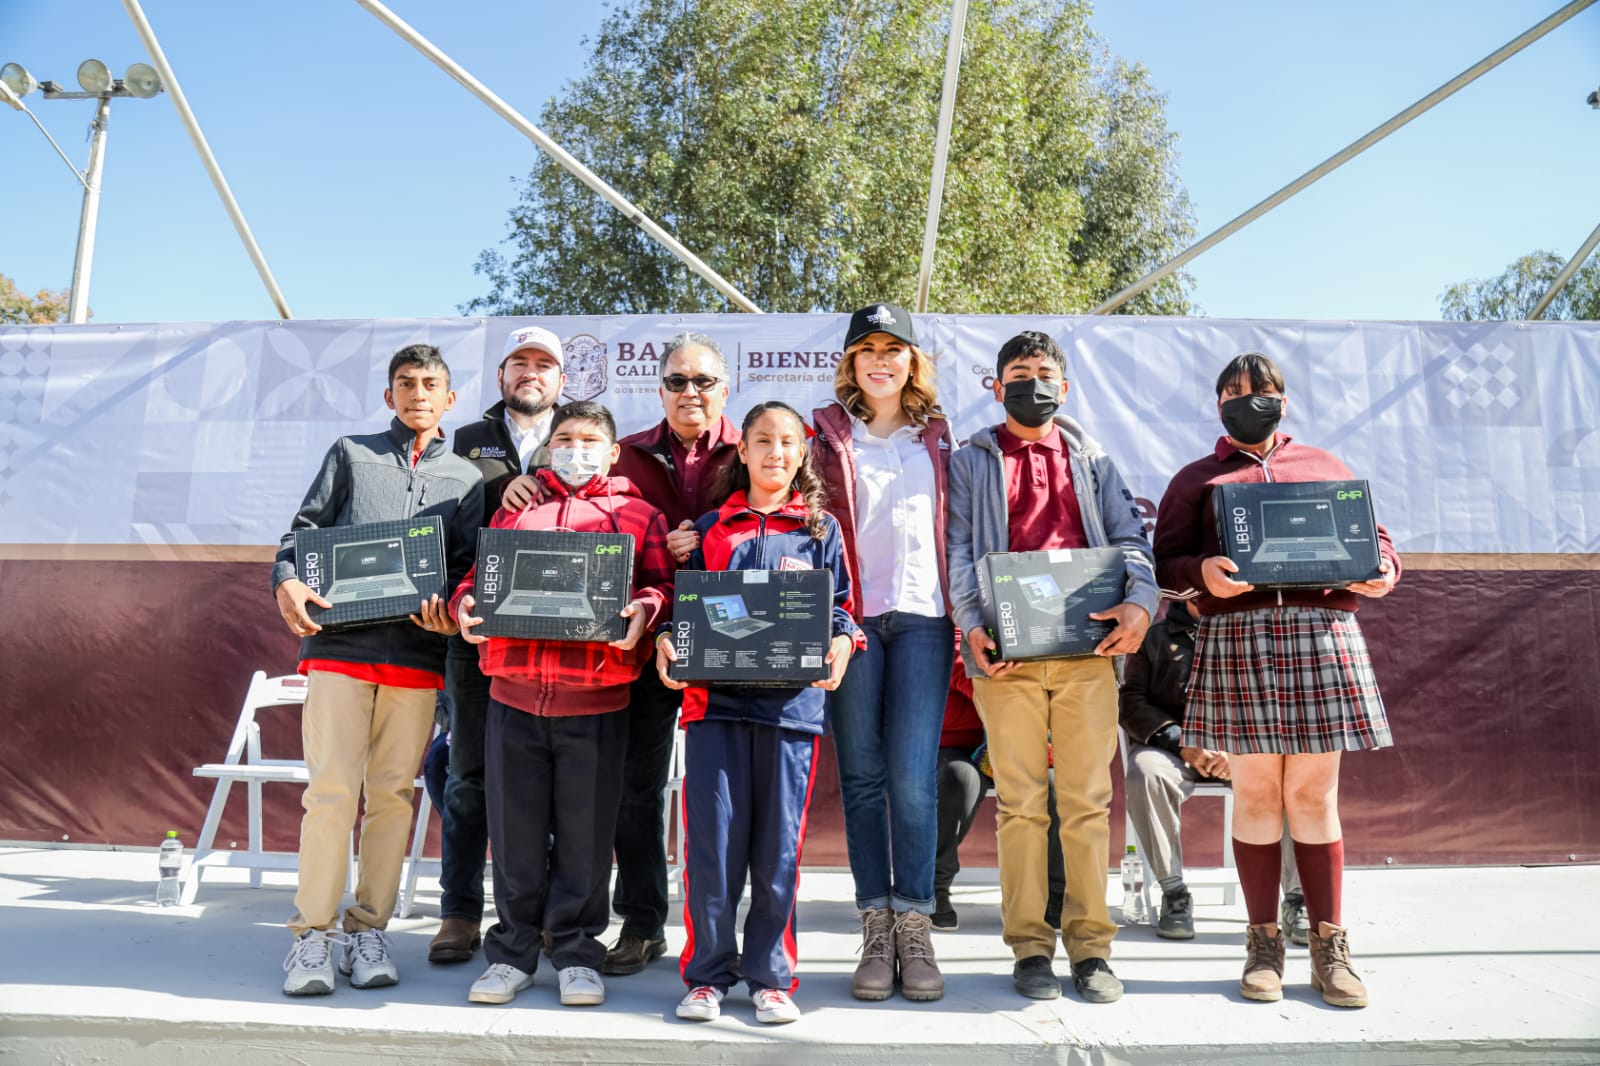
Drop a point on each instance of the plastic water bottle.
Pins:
(1132, 887)
(171, 860)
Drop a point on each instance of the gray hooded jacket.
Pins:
(979, 525)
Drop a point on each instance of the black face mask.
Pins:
(1252, 419)
(1032, 401)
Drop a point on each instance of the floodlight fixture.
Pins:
(141, 80)
(94, 76)
(10, 99)
(16, 78)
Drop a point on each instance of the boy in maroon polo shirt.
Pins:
(1036, 482)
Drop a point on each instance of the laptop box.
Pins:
(1036, 605)
(752, 627)
(553, 584)
(372, 573)
(1298, 534)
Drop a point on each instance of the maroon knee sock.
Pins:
(1258, 875)
(1322, 878)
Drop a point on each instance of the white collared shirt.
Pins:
(528, 440)
(897, 561)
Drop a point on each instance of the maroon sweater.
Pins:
(646, 459)
(1186, 525)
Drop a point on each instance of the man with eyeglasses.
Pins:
(679, 466)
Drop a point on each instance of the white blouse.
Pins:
(897, 561)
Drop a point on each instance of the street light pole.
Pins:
(83, 261)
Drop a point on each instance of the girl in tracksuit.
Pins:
(751, 752)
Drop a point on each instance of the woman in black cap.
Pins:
(883, 449)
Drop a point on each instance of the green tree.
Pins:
(789, 144)
(18, 308)
(1512, 293)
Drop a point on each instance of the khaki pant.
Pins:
(1074, 703)
(357, 734)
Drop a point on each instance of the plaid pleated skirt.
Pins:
(1283, 681)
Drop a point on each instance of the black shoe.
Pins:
(1177, 915)
(944, 912)
(631, 954)
(1034, 978)
(1095, 982)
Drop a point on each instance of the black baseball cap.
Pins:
(881, 318)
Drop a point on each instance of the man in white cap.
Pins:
(508, 441)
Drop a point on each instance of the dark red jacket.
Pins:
(646, 460)
(565, 678)
(1186, 525)
(836, 465)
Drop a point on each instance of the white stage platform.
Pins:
(1465, 966)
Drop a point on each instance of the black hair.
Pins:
(1030, 342)
(807, 482)
(586, 411)
(1262, 372)
(422, 356)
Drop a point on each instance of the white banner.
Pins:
(1478, 437)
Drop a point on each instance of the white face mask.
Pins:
(578, 464)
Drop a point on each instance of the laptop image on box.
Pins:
(549, 584)
(1043, 594)
(1298, 531)
(369, 570)
(731, 618)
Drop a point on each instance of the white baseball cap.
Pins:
(533, 337)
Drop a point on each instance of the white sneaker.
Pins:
(702, 1004)
(366, 959)
(499, 983)
(310, 963)
(774, 1007)
(581, 987)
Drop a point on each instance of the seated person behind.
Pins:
(1162, 772)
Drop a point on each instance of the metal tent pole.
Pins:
(941, 149)
(1349, 152)
(169, 81)
(1565, 276)
(556, 152)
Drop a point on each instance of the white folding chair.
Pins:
(244, 763)
(1223, 877)
(672, 809)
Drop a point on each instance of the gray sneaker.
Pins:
(367, 961)
(1177, 915)
(1034, 978)
(1292, 919)
(1095, 982)
(310, 963)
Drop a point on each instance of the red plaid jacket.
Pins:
(566, 678)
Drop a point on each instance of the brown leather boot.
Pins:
(874, 976)
(1263, 964)
(1330, 967)
(920, 978)
(455, 941)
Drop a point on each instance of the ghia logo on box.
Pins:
(585, 365)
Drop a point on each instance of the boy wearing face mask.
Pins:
(1038, 482)
(553, 738)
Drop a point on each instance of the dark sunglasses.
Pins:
(679, 382)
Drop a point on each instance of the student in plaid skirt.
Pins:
(1282, 682)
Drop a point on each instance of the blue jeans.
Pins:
(886, 718)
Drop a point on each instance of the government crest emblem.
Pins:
(585, 367)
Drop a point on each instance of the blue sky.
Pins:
(372, 181)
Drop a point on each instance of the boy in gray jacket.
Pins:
(370, 692)
(1039, 482)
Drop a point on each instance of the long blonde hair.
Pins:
(919, 398)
